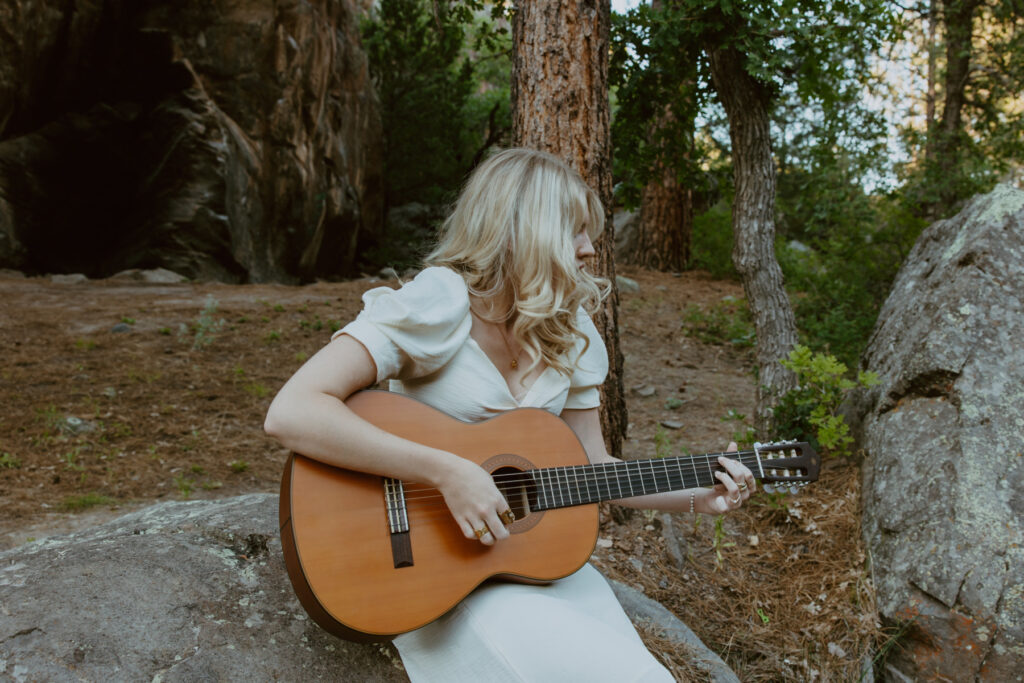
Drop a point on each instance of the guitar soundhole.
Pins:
(521, 494)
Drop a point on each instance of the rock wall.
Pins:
(944, 476)
(238, 141)
(191, 591)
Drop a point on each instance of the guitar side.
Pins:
(337, 542)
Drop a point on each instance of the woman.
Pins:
(497, 321)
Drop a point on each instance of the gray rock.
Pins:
(154, 275)
(944, 477)
(68, 279)
(176, 592)
(626, 284)
(121, 328)
(188, 591)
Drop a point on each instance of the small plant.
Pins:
(84, 501)
(726, 322)
(743, 434)
(673, 403)
(127, 321)
(256, 389)
(301, 356)
(278, 308)
(238, 466)
(272, 337)
(206, 326)
(662, 443)
(71, 461)
(810, 412)
(9, 462)
(85, 344)
(184, 484)
(197, 469)
(165, 331)
(718, 541)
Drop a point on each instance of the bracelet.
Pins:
(693, 496)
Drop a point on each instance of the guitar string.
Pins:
(566, 481)
(567, 477)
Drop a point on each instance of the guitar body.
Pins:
(340, 552)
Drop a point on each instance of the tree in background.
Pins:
(560, 105)
(752, 55)
(653, 134)
(441, 71)
(973, 128)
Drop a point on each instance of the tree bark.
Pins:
(958, 23)
(666, 207)
(666, 218)
(560, 105)
(753, 218)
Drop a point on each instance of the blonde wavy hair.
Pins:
(510, 236)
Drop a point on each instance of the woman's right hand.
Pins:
(474, 500)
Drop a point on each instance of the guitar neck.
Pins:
(558, 487)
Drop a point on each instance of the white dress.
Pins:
(572, 629)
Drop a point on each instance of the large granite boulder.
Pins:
(944, 438)
(236, 140)
(191, 591)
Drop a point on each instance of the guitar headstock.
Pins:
(786, 465)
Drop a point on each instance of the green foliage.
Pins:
(712, 242)
(206, 327)
(441, 102)
(9, 462)
(185, 485)
(810, 412)
(742, 433)
(718, 541)
(726, 322)
(238, 466)
(964, 152)
(662, 443)
(839, 249)
(85, 501)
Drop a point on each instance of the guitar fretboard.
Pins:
(558, 487)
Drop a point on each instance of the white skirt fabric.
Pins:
(571, 630)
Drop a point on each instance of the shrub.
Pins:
(810, 412)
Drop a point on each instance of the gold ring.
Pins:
(735, 501)
(483, 531)
(508, 517)
(743, 486)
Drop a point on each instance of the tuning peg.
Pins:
(768, 488)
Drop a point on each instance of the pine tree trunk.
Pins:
(958, 22)
(560, 105)
(665, 225)
(753, 219)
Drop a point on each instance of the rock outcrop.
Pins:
(237, 141)
(944, 477)
(192, 591)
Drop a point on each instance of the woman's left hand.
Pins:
(737, 484)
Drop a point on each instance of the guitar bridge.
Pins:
(398, 522)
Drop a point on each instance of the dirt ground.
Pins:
(119, 393)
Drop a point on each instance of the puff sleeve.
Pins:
(415, 330)
(590, 369)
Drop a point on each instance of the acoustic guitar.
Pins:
(370, 557)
